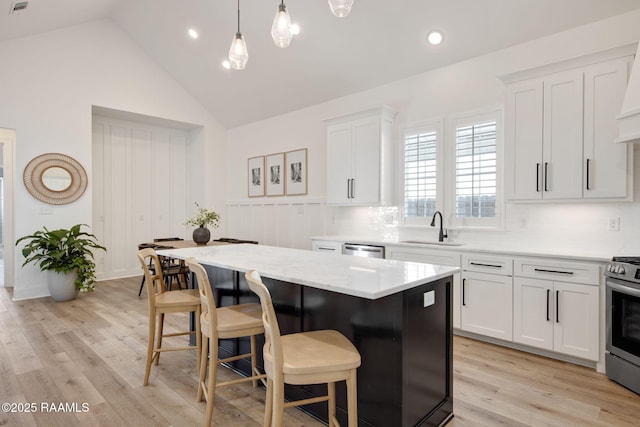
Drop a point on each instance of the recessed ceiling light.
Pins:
(226, 64)
(193, 33)
(295, 29)
(435, 37)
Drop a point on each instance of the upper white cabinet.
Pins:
(560, 135)
(359, 158)
(607, 172)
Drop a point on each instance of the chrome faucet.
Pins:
(442, 234)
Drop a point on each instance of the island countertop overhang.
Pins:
(369, 278)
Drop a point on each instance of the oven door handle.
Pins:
(617, 286)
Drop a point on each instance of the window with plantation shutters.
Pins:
(420, 173)
(476, 181)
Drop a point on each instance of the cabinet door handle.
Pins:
(463, 283)
(546, 176)
(557, 306)
(537, 176)
(353, 188)
(348, 188)
(485, 265)
(588, 163)
(548, 295)
(544, 270)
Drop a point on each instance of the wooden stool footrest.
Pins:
(306, 401)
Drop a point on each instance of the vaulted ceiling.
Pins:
(379, 42)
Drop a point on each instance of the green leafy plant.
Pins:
(64, 251)
(203, 218)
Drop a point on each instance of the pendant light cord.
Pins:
(238, 16)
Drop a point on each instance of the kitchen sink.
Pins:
(431, 242)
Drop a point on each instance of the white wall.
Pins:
(466, 86)
(49, 83)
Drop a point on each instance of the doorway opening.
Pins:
(7, 141)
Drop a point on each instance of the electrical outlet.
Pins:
(614, 224)
(46, 210)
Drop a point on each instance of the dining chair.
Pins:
(171, 269)
(304, 358)
(235, 321)
(161, 302)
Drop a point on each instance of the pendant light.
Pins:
(238, 54)
(340, 8)
(281, 28)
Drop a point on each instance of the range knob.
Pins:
(620, 270)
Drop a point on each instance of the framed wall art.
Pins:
(256, 176)
(296, 175)
(275, 174)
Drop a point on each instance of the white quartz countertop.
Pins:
(522, 249)
(369, 278)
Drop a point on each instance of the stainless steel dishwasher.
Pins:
(368, 251)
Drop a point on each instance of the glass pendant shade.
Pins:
(340, 8)
(281, 28)
(238, 54)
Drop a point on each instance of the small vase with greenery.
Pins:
(64, 251)
(203, 219)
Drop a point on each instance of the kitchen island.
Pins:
(398, 315)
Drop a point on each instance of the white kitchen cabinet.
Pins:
(553, 310)
(432, 256)
(487, 298)
(560, 135)
(326, 246)
(544, 137)
(359, 158)
(607, 164)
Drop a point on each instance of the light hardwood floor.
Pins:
(91, 351)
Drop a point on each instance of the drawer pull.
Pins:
(485, 265)
(544, 270)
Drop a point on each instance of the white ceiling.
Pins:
(379, 42)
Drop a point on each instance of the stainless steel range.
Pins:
(623, 321)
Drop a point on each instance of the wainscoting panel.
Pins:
(281, 223)
(139, 189)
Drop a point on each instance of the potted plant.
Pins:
(203, 218)
(67, 255)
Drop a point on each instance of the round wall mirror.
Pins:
(55, 178)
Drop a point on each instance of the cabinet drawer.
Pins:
(488, 264)
(575, 272)
(326, 246)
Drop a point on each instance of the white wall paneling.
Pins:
(286, 223)
(140, 189)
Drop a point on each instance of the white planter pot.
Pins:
(62, 286)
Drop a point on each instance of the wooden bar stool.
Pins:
(161, 302)
(314, 357)
(235, 321)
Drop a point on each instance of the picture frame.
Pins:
(275, 174)
(296, 172)
(255, 176)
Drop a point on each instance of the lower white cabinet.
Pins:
(557, 315)
(487, 296)
(326, 246)
(487, 304)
